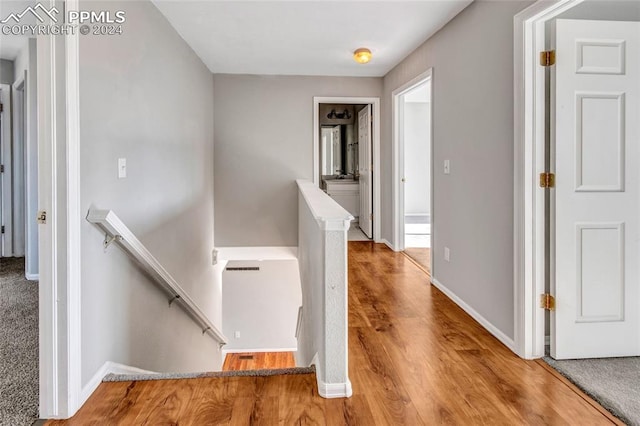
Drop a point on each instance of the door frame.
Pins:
(19, 142)
(6, 180)
(59, 239)
(529, 160)
(398, 160)
(375, 103)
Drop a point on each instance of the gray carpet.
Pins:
(244, 373)
(18, 345)
(613, 382)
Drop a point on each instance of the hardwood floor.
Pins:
(258, 361)
(415, 358)
(421, 256)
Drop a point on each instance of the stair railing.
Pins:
(116, 232)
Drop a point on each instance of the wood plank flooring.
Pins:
(258, 361)
(422, 256)
(415, 358)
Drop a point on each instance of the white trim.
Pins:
(330, 390)
(257, 253)
(18, 160)
(106, 369)
(94, 382)
(59, 239)
(32, 277)
(508, 342)
(529, 133)
(334, 390)
(377, 163)
(398, 158)
(117, 368)
(53, 403)
(388, 244)
(260, 350)
(6, 156)
(73, 217)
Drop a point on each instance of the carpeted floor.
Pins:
(613, 382)
(18, 345)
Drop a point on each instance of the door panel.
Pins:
(364, 168)
(595, 269)
(6, 181)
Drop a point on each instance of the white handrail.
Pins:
(117, 232)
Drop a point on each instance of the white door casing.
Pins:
(376, 190)
(397, 105)
(364, 169)
(595, 254)
(6, 184)
(19, 200)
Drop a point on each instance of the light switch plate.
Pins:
(122, 168)
(447, 254)
(447, 167)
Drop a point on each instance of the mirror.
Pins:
(338, 140)
(339, 150)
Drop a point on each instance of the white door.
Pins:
(364, 168)
(597, 195)
(6, 184)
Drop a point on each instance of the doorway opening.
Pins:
(413, 169)
(346, 159)
(576, 239)
(19, 285)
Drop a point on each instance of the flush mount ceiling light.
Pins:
(362, 55)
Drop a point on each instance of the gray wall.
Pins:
(147, 97)
(264, 142)
(6, 71)
(417, 157)
(261, 305)
(473, 127)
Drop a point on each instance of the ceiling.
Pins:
(306, 37)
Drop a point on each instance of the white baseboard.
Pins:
(330, 390)
(257, 253)
(32, 277)
(508, 342)
(240, 351)
(334, 390)
(108, 368)
(388, 244)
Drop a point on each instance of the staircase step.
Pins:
(173, 376)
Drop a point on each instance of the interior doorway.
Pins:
(413, 169)
(19, 307)
(6, 173)
(347, 161)
(576, 236)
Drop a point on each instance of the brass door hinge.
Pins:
(547, 302)
(1, 107)
(2, 168)
(548, 58)
(2, 229)
(42, 217)
(547, 180)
